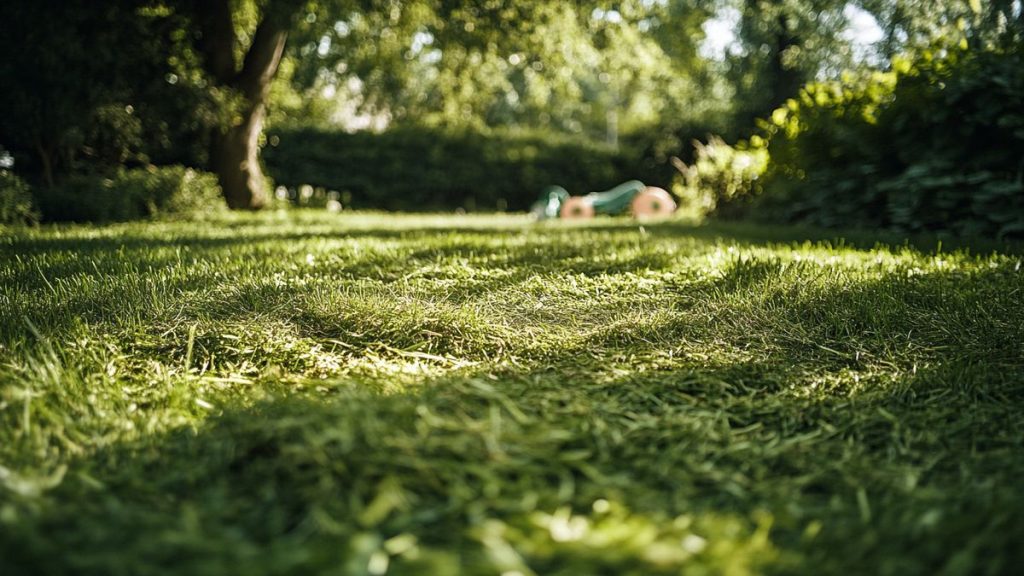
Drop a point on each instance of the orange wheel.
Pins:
(653, 202)
(576, 208)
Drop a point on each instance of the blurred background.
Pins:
(880, 114)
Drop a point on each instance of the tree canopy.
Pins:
(193, 82)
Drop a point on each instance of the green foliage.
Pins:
(16, 205)
(934, 145)
(718, 176)
(152, 192)
(914, 26)
(559, 66)
(781, 45)
(90, 80)
(83, 103)
(171, 190)
(825, 148)
(431, 169)
(938, 195)
(367, 393)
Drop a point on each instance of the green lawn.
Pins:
(371, 394)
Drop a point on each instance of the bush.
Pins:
(934, 145)
(171, 191)
(421, 169)
(827, 149)
(719, 176)
(15, 200)
(152, 192)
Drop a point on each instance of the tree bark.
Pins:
(234, 153)
(234, 150)
(234, 158)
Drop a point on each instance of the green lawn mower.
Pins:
(632, 197)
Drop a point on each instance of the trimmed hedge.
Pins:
(419, 169)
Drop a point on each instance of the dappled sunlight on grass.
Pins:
(481, 394)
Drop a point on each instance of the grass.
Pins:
(371, 394)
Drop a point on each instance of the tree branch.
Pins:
(264, 53)
(262, 58)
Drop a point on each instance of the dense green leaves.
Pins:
(82, 103)
(719, 176)
(943, 140)
(93, 87)
(567, 67)
(934, 145)
(783, 44)
(16, 205)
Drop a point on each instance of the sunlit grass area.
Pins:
(383, 394)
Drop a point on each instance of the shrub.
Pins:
(132, 194)
(171, 191)
(425, 169)
(934, 145)
(826, 148)
(719, 175)
(15, 200)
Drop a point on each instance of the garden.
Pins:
(273, 300)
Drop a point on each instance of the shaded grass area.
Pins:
(374, 394)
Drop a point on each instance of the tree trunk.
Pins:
(234, 157)
(234, 151)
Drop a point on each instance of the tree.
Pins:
(784, 44)
(566, 66)
(911, 25)
(234, 147)
(74, 98)
(379, 53)
(92, 78)
(192, 74)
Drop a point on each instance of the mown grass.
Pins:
(373, 394)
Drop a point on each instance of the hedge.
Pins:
(419, 169)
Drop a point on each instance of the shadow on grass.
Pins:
(832, 332)
(467, 469)
(875, 424)
(473, 464)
